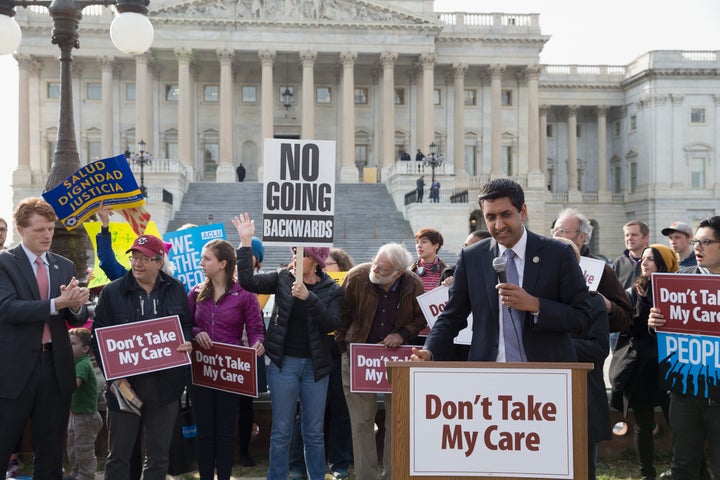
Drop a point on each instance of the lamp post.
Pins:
(130, 31)
(432, 160)
(142, 158)
(287, 94)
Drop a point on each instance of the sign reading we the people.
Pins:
(689, 343)
(230, 368)
(141, 347)
(299, 193)
(109, 180)
(479, 422)
(368, 372)
(186, 251)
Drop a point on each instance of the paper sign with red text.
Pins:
(592, 269)
(432, 304)
(141, 347)
(368, 373)
(230, 368)
(484, 422)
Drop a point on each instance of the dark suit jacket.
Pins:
(22, 315)
(551, 273)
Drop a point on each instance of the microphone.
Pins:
(499, 264)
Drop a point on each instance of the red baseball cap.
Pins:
(149, 245)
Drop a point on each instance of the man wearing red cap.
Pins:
(144, 293)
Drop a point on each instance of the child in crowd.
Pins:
(85, 422)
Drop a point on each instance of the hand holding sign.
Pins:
(656, 319)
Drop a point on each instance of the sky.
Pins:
(611, 32)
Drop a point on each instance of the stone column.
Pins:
(572, 164)
(307, 58)
(419, 102)
(496, 74)
(107, 65)
(603, 192)
(185, 133)
(458, 72)
(267, 59)
(226, 163)
(26, 65)
(535, 177)
(387, 152)
(348, 170)
(143, 102)
(543, 139)
(427, 60)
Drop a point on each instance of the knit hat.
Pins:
(149, 245)
(668, 255)
(681, 227)
(319, 254)
(258, 249)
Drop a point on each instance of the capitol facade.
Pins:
(380, 78)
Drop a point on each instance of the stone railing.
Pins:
(491, 22)
(411, 167)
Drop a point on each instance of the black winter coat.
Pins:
(119, 304)
(322, 307)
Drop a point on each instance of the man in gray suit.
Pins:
(37, 372)
(527, 321)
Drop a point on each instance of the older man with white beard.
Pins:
(379, 306)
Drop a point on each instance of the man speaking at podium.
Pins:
(526, 293)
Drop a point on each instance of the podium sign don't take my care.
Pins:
(492, 420)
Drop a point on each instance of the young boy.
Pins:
(85, 422)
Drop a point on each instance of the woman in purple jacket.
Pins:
(221, 311)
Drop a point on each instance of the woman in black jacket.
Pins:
(295, 343)
(642, 392)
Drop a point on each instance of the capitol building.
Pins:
(380, 78)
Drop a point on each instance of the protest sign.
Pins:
(489, 422)
(299, 193)
(432, 304)
(109, 180)
(592, 269)
(141, 347)
(689, 343)
(186, 250)
(122, 237)
(230, 368)
(367, 366)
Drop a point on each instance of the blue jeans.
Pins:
(296, 380)
(337, 428)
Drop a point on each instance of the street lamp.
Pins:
(130, 31)
(432, 160)
(143, 158)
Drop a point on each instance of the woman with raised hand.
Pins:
(222, 310)
(308, 309)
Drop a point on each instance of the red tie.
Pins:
(41, 275)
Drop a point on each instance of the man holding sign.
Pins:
(695, 417)
(145, 293)
(379, 306)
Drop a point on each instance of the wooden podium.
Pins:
(558, 449)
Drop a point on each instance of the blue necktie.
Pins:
(512, 326)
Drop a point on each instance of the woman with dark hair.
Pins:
(642, 391)
(222, 310)
(296, 343)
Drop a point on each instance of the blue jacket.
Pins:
(108, 263)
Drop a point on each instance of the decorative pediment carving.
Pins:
(287, 11)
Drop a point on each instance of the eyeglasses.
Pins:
(330, 263)
(705, 242)
(562, 231)
(305, 254)
(381, 270)
(143, 260)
